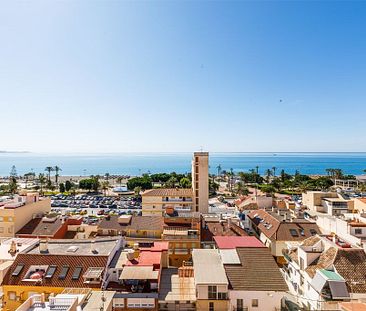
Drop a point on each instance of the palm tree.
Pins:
(303, 187)
(105, 186)
(218, 170)
(274, 171)
(57, 169)
(41, 180)
(27, 178)
(119, 180)
(257, 169)
(268, 175)
(49, 169)
(107, 176)
(241, 189)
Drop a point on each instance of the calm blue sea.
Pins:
(138, 163)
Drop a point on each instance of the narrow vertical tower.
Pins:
(200, 181)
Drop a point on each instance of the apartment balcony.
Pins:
(180, 233)
(178, 200)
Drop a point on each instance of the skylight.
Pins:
(50, 272)
(63, 272)
(18, 269)
(77, 273)
(294, 232)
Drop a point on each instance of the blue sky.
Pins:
(103, 76)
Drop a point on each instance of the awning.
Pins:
(139, 273)
(318, 282)
(338, 290)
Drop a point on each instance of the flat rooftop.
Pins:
(20, 244)
(174, 288)
(78, 247)
(208, 267)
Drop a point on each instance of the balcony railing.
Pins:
(177, 200)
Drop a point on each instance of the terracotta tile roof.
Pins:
(282, 230)
(325, 261)
(232, 242)
(311, 241)
(350, 263)
(72, 261)
(294, 255)
(161, 192)
(136, 223)
(211, 229)
(258, 271)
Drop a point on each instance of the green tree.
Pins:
(143, 182)
(212, 187)
(274, 171)
(61, 187)
(105, 186)
(185, 183)
(68, 185)
(13, 186)
(268, 189)
(49, 169)
(41, 181)
(268, 175)
(137, 191)
(57, 169)
(119, 180)
(13, 172)
(218, 170)
(28, 177)
(171, 183)
(241, 189)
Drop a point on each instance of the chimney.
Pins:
(288, 216)
(13, 247)
(43, 246)
(334, 239)
(136, 250)
(92, 247)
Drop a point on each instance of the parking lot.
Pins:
(95, 205)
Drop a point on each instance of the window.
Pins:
(255, 303)
(294, 232)
(77, 273)
(10, 230)
(211, 306)
(12, 296)
(1, 218)
(50, 272)
(63, 272)
(239, 304)
(221, 296)
(119, 302)
(358, 231)
(18, 269)
(1, 230)
(302, 263)
(212, 292)
(10, 218)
